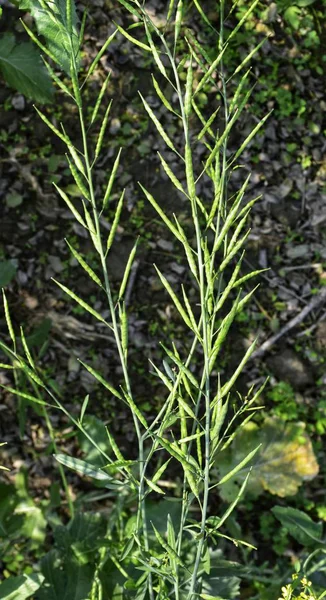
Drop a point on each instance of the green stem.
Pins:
(60, 467)
(141, 500)
(203, 306)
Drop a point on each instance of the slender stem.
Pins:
(141, 498)
(203, 306)
(60, 467)
(52, 437)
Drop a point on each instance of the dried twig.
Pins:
(315, 303)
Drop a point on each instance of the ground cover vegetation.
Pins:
(147, 455)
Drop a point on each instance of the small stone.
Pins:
(115, 126)
(288, 366)
(165, 245)
(18, 102)
(56, 263)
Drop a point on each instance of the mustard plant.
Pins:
(178, 562)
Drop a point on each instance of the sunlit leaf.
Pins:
(21, 587)
(54, 28)
(284, 461)
(84, 468)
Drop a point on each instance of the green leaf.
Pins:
(25, 396)
(299, 525)
(84, 264)
(83, 468)
(14, 199)
(216, 587)
(284, 461)
(158, 513)
(86, 532)
(101, 379)
(80, 301)
(40, 334)
(53, 26)
(96, 429)
(158, 125)
(132, 39)
(7, 272)
(240, 466)
(23, 69)
(23, 4)
(304, 3)
(292, 15)
(65, 579)
(19, 588)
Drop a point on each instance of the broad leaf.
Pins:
(219, 587)
(284, 461)
(96, 430)
(299, 525)
(39, 335)
(23, 69)
(55, 30)
(292, 15)
(303, 3)
(81, 538)
(72, 582)
(7, 270)
(21, 587)
(22, 4)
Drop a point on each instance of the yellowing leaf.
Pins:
(284, 461)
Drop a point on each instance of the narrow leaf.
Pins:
(115, 222)
(154, 487)
(70, 205)
(131, 38)
(82, 467)
(83, 409)
(239, 466)
(161, 96)
(158, 125)
(101, 379)
(102, 131)
(127, 269)
(84, 264)
(82, 303)
(111, 180)
(8, 319)
(100, 98)
(175, 298)
(162, 214)
(25, 395)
